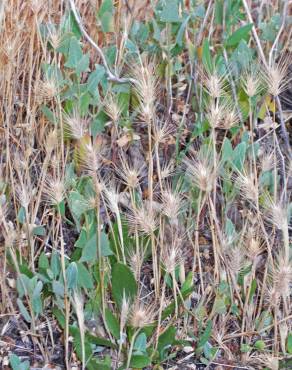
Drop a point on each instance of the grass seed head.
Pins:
(144, 218)
(252, 81)
(162, 133)
(146, 87)
(281, 280)
(75, 126)
(200, 170)
(24, 196)
(142, 315)
(236, 259)
(276, 213)
(172, 204)
(113, 109)
(276, 75)
(130, 174)
(167, 170)
(46, 90)
(89, 157)
(214, 84)
(136, 259)
(125, 309)
(245, 182)
(172, 256)
(112, 198)
(230, 119)
(51, 141)
(54, 191)
(55, 38)
(215, 114)
(253, 245)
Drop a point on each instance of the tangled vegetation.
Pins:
(145, 184)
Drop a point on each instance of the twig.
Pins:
(254, 32)
(279, 32)
(111, 77)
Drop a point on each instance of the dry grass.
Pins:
(201, 221)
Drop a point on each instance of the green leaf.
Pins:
(270, 29)
(104, 245)
(16, 364)
(48, 114)
(84, 277)
(188, 283)
(241, 57)
(83, 64)
(43, 262)
(105, 15)
(156, 31)
(21, 215)
(22, 285)
(209, 351)
(112, 323)
(75, 54)
(227, 151)
(239, 156)
(252, 290)
(289, 343)
(123, 283)
(95, 78)
(77, 205)
(206, 56)
(58, 288)
(39, 230)
(97, 126)
(219, 11)
(166, 339)
(59, 316)
(141, 343)
(55, 264)
(71, 275)
(82, 239)
(260, 345)
(241, 34)
(84, 101)
(36, 298)
(229, 229)
(170, 12)
(23, 310)
(93, 339)
(70, 25)
(180, 34)
(206, 335)
(140, 361)
(219, 306)
(245, 348)
(89, 252)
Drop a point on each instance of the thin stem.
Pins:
(131, 348)
(112, 77)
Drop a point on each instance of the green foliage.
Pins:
(106, 16)
(123, 283)
(17, 364)
(241, 34)
(170, 12)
